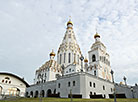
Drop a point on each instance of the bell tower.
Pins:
(99, 59)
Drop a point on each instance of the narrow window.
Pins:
(69, 70)
(68, 84)
(69, 57)
(58, 85)
(94, 93)
(103, 87)
(78, 59)
(94, 85)
(90, 84)
(90, 93)
(73, 83)
(111, 89)
(64, 57)
(74, 57)
(95, 72)
(93, 58)
(60, 58)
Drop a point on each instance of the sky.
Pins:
(30, 29)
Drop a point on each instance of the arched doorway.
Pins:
(55, 91)
(36, 94)
(43, 93)
(0, 90)
(17, 92)
(49, 92)
(31, 94)
(26, 94)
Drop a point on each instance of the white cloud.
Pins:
(28, 28)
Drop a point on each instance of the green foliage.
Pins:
(65, 100)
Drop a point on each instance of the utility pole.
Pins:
(112, 72)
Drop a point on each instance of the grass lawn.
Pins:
(66, 100)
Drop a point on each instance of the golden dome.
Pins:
(85, 60)
(69, 22)
(96, 35)
(52, 53)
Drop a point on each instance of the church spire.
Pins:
(69, 51)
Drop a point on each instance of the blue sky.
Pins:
(30, 29)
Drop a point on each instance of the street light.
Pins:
(124, 80)
(132, 90)
(81, 58)
(112, 72)
(41, 82)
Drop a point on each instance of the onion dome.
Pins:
(96, 35)
(52, 53)
(69, 22)
(85, 60)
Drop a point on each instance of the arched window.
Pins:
(90, 93)
(69, 57)
(90, 84)
(74, 57)
(68, 84)
(95, 72)
(78, 59)
(94, 85)
(64, 57)
(73, 83)
(58, 85)
(103, 87)
(93, 58)
(60, 58)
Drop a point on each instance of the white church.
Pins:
(72, 75)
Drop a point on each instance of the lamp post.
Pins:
(81, 58)
(132, 90)
(125, 80)
(112, 72)
(41, 77)
(70, 95)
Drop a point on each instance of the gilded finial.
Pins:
(52, 53)
(70, 22)
(96, 35)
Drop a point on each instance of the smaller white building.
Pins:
(12, 85)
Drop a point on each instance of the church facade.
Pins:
(72, 74)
